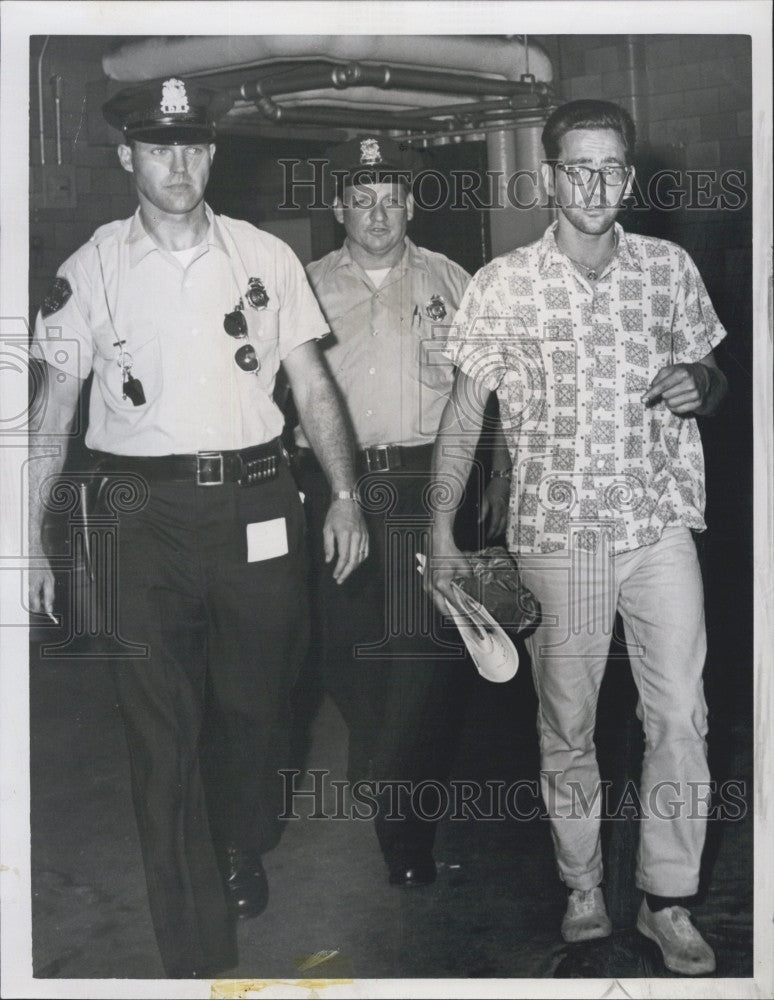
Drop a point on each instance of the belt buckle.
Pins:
(209, 468)
(377, 458)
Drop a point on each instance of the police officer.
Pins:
(184, 318)
(396, 674)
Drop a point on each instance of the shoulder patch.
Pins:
(57, 296)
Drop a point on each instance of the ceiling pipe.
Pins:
(505, 100)
(520, 98)
(273, 112)
(202, 55)
(345, 75)
(473, 119)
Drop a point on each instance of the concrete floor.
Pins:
(494, 911)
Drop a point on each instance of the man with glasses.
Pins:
(599, 345)
(396, 674)
(183, 318)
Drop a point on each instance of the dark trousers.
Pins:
(213, 622)
(395, 672)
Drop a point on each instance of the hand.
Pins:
(41, 586)
(446, 564)
(683, 388)
(495, 505)
(345, 534)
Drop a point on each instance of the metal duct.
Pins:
(190, 55)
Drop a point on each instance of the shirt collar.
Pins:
(141, 244)
(626, 254)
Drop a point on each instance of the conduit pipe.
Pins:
(348, 75)
(56, 82)
(41, 130)
(518, 97)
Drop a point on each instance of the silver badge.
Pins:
(174, 99)
(436, 308)
(256, 294)
(370, 154)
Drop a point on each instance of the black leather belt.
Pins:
(381, 458)
(206, 468)
(386, 457)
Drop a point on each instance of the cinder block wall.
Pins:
(102, 191)
(691, 99)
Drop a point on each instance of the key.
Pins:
(133, 389)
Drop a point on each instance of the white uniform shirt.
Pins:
(124, 287)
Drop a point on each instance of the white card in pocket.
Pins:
(267, 539)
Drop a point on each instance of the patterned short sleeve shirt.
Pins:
(570, 361)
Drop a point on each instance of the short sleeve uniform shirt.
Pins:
(122, 287)
(386, 343)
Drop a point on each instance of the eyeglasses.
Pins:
(235, 325)
(577, 174)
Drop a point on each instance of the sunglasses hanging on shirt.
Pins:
(235, 325)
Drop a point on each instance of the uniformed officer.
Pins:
(184, 318)
(395, 673)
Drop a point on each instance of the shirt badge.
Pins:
(436, 307)
(57, 296)
(370, 154)
(256, 293)
(174, 99)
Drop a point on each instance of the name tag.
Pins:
(267, 539)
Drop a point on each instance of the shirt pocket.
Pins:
(433, 369)
(144, 355)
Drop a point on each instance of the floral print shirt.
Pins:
(570, 361)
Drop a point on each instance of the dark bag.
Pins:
(497, 584)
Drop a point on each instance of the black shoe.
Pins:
(245, 882)
(412, 872)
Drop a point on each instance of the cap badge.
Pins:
(256, 293)
(370, 154)
(174, 99)
(436, 307)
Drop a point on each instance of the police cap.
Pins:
(372, 159)
(172, 112)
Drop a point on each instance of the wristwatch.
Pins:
(345, 495)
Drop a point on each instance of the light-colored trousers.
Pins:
(658, 591)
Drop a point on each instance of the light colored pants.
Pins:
(658, 591)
